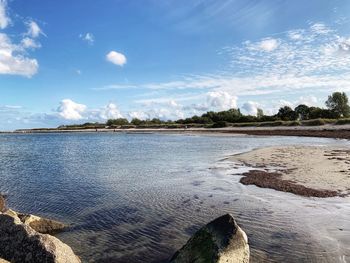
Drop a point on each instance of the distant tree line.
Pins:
(337, 107)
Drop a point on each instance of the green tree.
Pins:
(287, 114)
(120, 121)
(156, 121)
(259, 113)
(302, 111)
(136, 121)
(338, 103)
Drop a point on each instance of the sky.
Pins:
(77, 61)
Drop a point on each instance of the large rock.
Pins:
(42, 225)
(2, 203)
(222, 240)
(20, 243)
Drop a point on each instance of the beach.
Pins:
(320, 169)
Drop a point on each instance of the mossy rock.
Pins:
(222, 240)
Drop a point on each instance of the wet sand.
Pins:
(303, 170)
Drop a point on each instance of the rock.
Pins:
(2, 203)
(42, 225)
(20, 243)
(221, 240)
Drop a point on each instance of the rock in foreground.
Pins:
(41, 225)
(222, 240)
(2, 203)
(19, 242)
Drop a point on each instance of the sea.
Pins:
(139, 197)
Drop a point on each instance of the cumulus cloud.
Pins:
(4, 19)
(171, 109)
(70, 110)
(250, 108)
(159, 113)
(141, 115)
(313, 59)
(116, 58)
(13, 61)
(110, 111)
(164, 109)
(88, 37)
(221, 100)
(273, 107)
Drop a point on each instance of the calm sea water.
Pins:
(139, 197)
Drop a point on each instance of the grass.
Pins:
(316, 122)
(342, 122)
(271, 123)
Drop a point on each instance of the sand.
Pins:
(286, 168)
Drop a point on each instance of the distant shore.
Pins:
(327, 131)
(303, 170)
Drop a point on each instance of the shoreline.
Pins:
(311, 171)
(325, 131)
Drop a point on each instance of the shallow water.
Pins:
(138, 197)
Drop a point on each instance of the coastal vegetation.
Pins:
(337, 112)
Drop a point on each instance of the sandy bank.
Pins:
(303, 170)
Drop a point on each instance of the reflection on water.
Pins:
(138, 198)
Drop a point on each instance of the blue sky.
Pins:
(75, 61)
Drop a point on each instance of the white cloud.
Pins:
(296, 34)
(159, 113)
(250, 108)
(141, 115)
(116, 58)
(30, 43)
(88, 37)
(269, 44)
(344, 46)
(221, 100)
(307, 100)
(13, 61)
(274, 106)
(71, 110)
(311, 60)
(110, 111)
(34, 30)
(171, 109)
(4, 19)
(315, 58)
(320, 28)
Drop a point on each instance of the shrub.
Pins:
(342, 122)
(219, 124)
(271, 123)
(293, 123)
(245, 124)
(316, 122)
